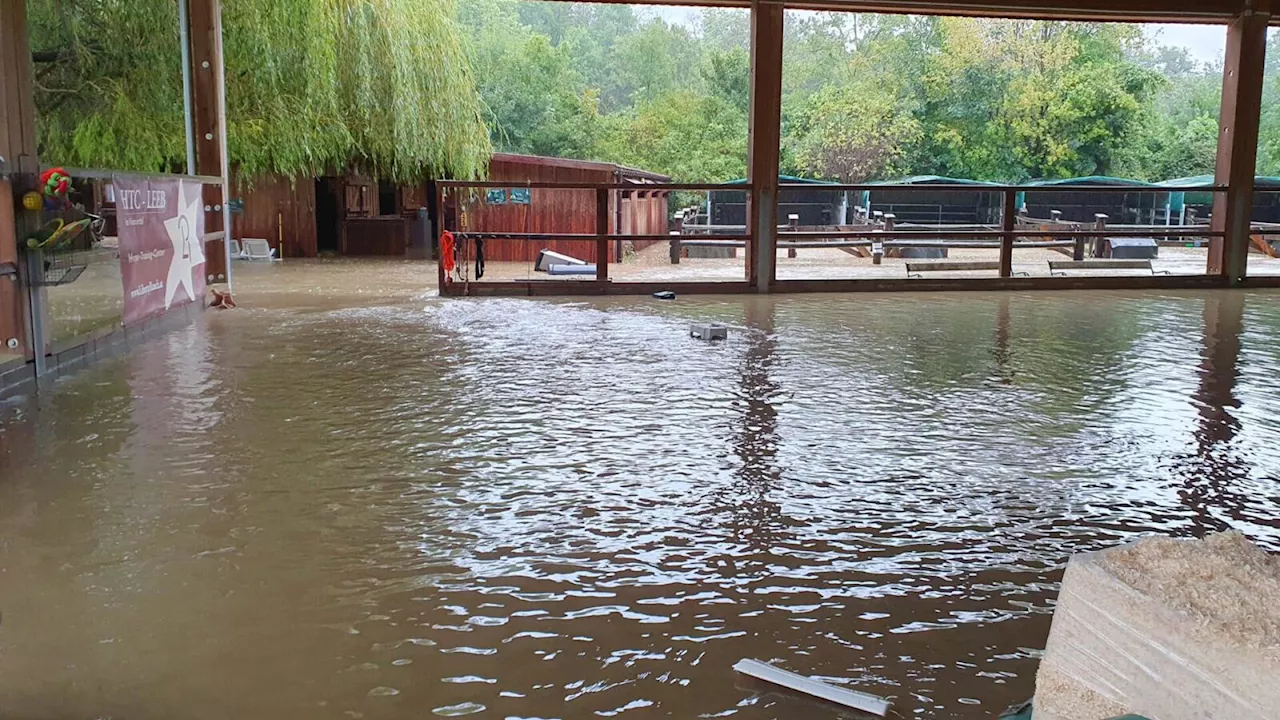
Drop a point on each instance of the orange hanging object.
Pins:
(446, 251)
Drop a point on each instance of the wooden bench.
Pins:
(914, 269)
(1060, 267)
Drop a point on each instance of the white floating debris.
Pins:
(865, 702)
(709, 331)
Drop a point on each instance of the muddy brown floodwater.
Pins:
(351, 499)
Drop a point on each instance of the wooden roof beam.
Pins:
(1193, 11)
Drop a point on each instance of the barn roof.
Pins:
(623, 172)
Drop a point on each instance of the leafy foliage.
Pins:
(313, 86)
(387, 85)
(688, 136)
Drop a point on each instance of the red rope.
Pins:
(446, 251)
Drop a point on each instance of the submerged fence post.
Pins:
(602, 234)
(1008, 221)
(675, 237)
(877, 248)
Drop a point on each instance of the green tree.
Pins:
(851, 134)
(382, 86)
(727, 75)
(655, 60)
(692, 137)
(534, 101)
(725, 29)
(1269, 128)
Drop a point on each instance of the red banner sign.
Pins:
(161, 223)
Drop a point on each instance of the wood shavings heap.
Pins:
(1170, 629)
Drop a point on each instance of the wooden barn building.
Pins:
(353, 215)
(642, 211)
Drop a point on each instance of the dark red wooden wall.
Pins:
(551, 211)
(274, 207)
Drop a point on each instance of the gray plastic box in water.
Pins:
(1137, 248)
(709, 331)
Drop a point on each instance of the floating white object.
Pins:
(547, 258)
(709, 331)
(865, 702)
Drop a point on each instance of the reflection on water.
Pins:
(338, 508)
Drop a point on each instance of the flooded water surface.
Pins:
(390, 506)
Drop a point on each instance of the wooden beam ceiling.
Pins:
(1189, 11)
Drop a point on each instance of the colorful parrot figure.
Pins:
(55, 185)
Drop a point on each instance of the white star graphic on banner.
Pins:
(187, 248)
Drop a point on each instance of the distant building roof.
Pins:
(932, 180)
(1092, 180)
(624, 172)
(786, 179)
(1269, 182)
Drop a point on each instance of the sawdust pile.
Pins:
(1170, 629)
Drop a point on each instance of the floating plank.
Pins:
(865, 702)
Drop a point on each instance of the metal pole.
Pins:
(222, 133)
(184, 31)
(38, 307)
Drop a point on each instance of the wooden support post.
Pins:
(763, 140)
(18, 170)
(602, 234)
(1238, 141)
(206, 77)
(1101, 248)
(793, 222)
(1008, 221)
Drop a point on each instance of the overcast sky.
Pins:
(1205, 42)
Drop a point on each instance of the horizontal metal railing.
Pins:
(601, 236)
(879, 234)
